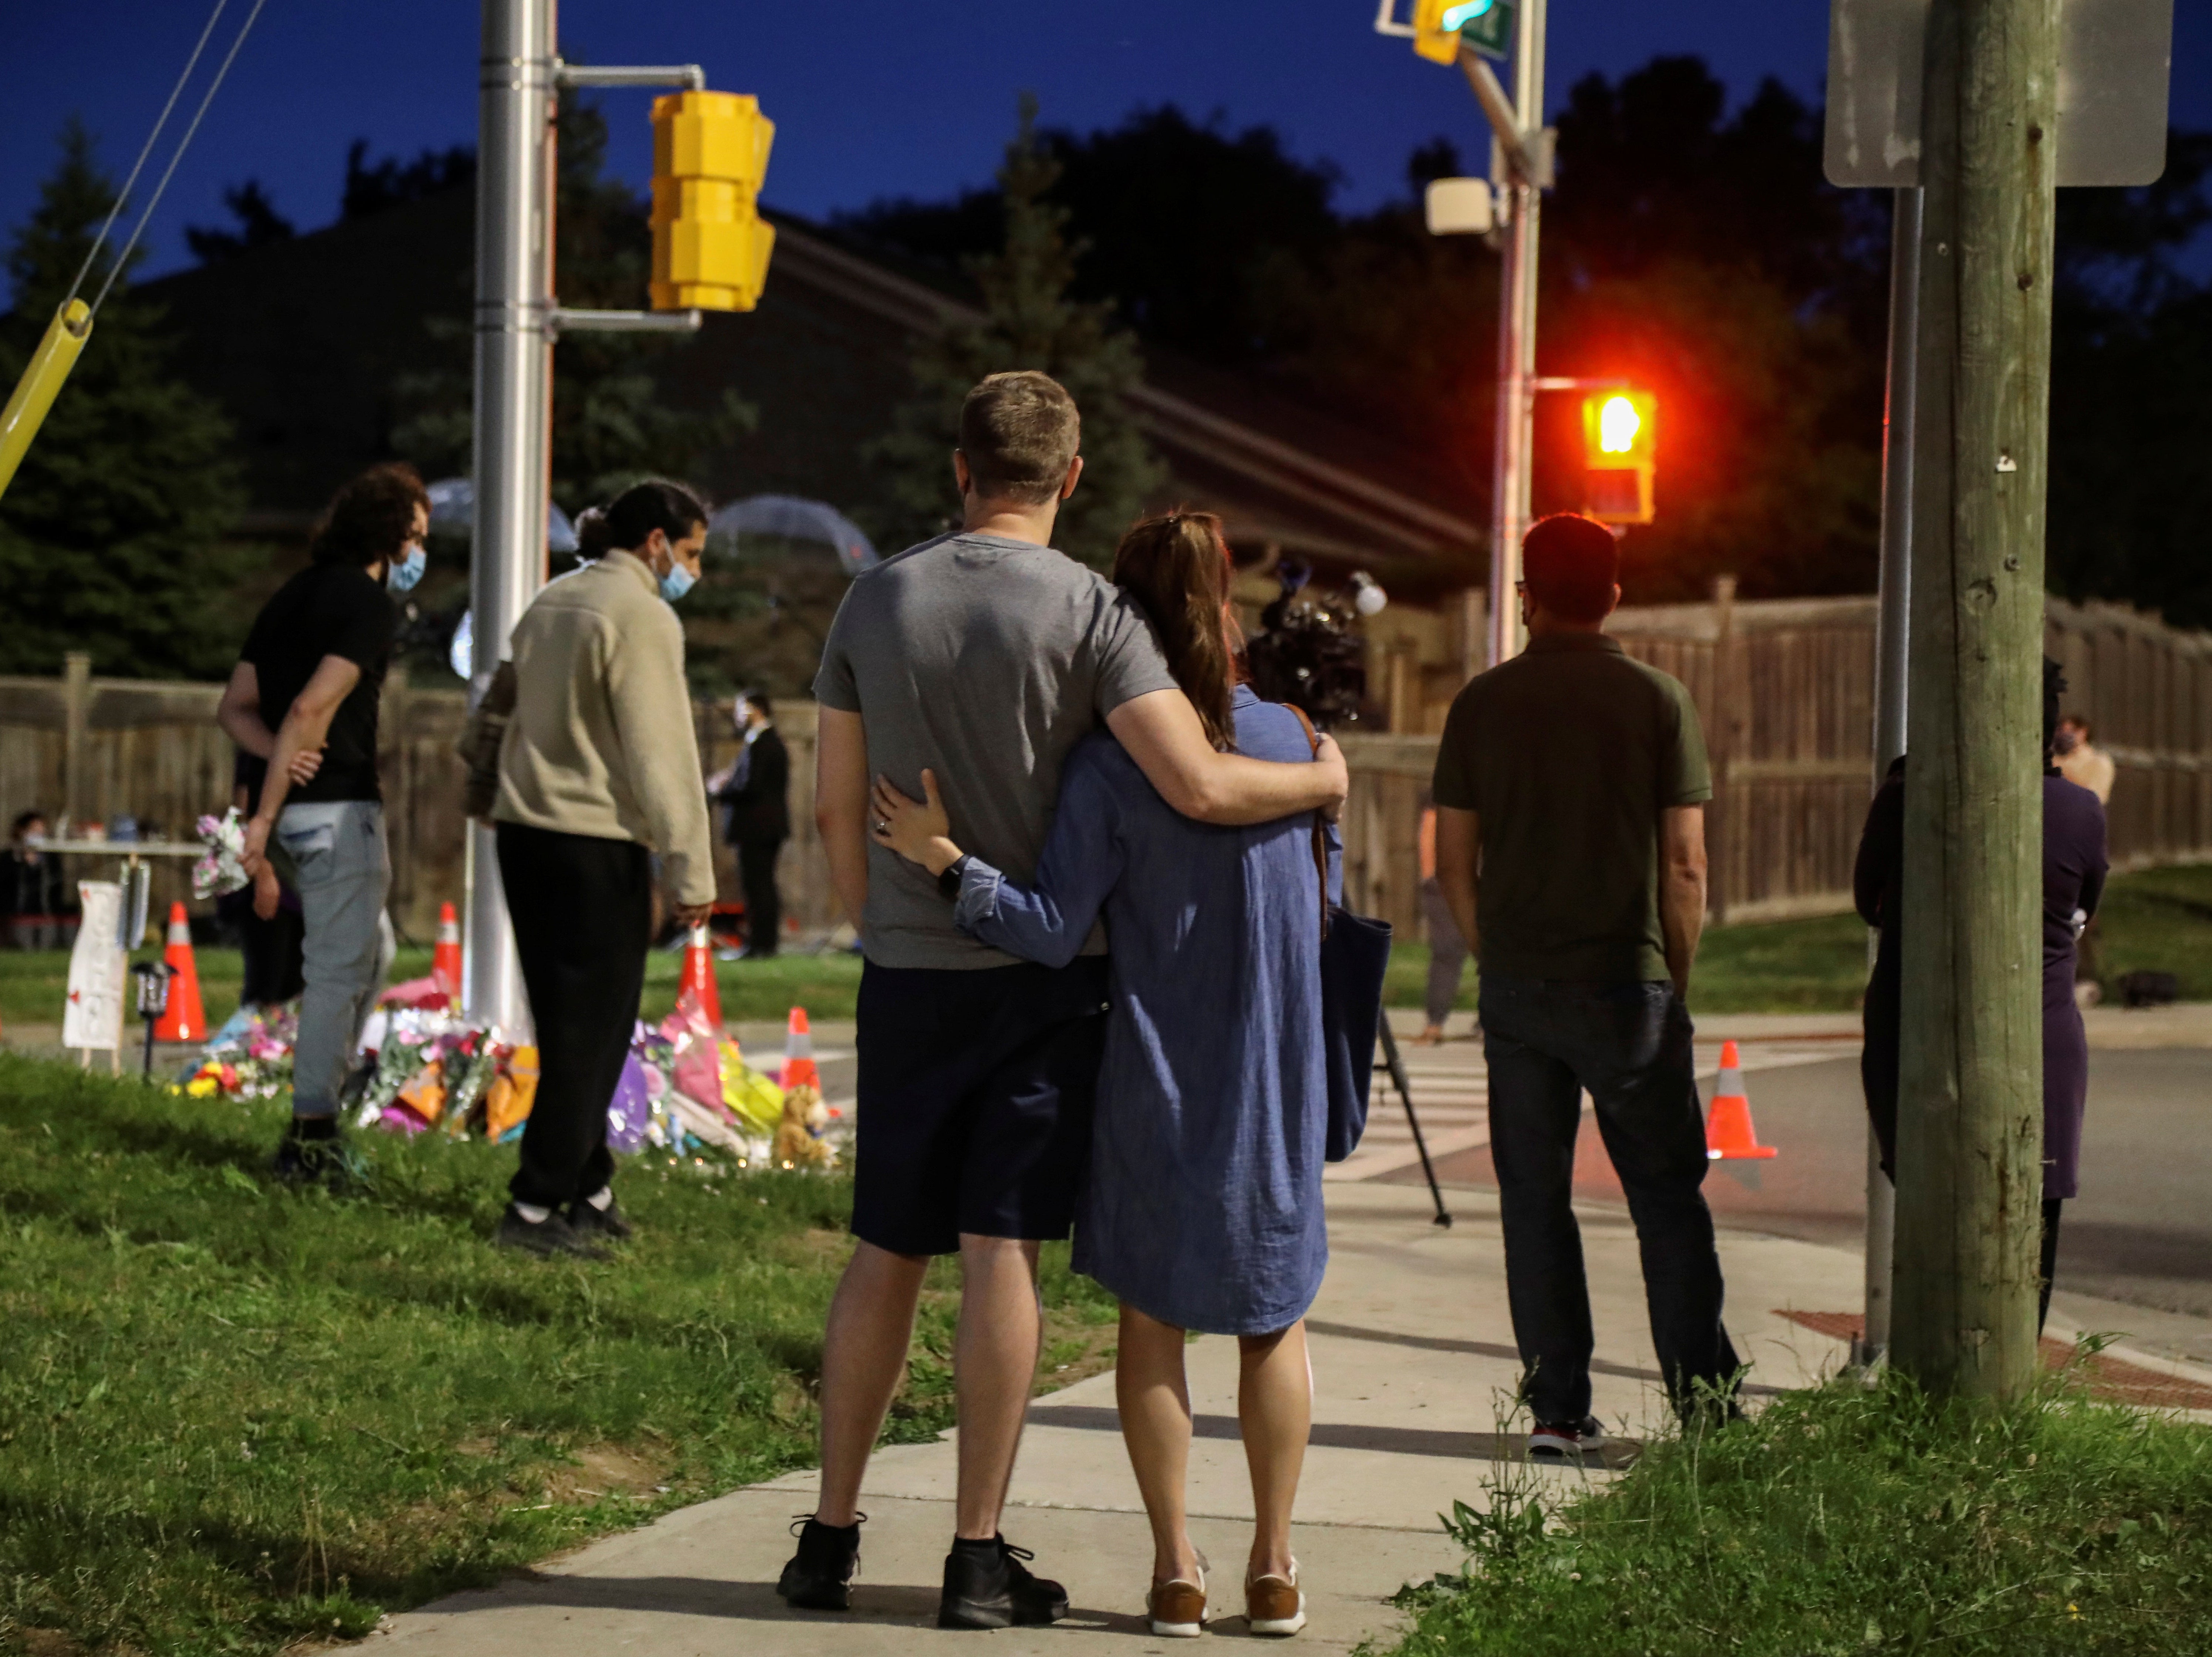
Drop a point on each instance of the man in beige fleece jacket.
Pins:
(598, 768)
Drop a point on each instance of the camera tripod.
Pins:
(1397, 1069)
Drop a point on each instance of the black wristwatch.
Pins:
(949, 882)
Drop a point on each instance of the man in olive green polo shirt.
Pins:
(1571, 789)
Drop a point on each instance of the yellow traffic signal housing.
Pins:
(1431, 38)
(710, 246)
(1617, 456)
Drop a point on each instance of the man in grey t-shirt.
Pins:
(984, 656)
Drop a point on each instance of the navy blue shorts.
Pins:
(976, 1092)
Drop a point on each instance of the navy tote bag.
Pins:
(1355, 953)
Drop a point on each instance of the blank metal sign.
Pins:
(2114, 58)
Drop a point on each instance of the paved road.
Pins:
(2140, 1233)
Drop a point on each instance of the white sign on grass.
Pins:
(93, 1018)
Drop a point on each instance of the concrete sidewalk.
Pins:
(1414, 1364)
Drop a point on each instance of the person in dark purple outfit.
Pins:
(2074, 868)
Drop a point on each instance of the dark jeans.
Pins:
(582, 909)
(1628, 1045)
(764, 907)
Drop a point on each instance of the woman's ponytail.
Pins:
(1176, 566)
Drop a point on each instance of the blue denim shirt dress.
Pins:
(1203, 1201)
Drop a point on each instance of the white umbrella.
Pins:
(791, 518)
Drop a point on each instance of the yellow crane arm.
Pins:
(34, 393)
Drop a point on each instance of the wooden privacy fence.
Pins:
(1784, 687)
(95, 750)
(1785, 690)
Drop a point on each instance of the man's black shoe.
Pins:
(820, 1574)
(548, 1237)
(315, 1154)
(608, 1225)
(986, 1586)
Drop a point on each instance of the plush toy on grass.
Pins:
(798, 1136)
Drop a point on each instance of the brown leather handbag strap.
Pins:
(1320, 833)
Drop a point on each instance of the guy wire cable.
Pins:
(183, 144)
(139, 166)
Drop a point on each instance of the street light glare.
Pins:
(1618, 422)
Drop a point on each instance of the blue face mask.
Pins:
(407, 571)
(678, 582)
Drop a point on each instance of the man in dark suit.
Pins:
(756, 790)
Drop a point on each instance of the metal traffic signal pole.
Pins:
(517, 323)
(517, 102)
(1512, 169)
(1892, 640)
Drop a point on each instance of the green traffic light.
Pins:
(1458, 17)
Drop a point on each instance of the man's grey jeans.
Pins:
(339, 865)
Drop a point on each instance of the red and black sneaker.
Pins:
(1565, 1441)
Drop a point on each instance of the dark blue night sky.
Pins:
(871, 99)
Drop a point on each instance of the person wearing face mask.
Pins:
(756, 788)
(598, 771)
(304, 699)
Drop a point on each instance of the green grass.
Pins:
(233, 1417)
(1789, 966)
(1849, 1521)
(2157, 918)
(2160, 919)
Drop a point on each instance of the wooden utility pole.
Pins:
(1970, 1117)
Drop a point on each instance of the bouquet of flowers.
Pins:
(473, 1059)
(250, 1059)
(219, 869)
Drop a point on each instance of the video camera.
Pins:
(1310, 654)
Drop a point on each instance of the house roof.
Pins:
(303, 340)
(1270, 489)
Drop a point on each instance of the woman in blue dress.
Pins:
(1203, 1205)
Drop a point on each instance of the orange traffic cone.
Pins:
(184, 1020)
(798, 1053)
(445, 958)
(698, 980)
(1729, 1133)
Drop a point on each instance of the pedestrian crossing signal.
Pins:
(710, 246)
(1617, 457)
(1440, 26)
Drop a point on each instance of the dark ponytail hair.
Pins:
(1176, 566)
(624, 524)
(371, 517)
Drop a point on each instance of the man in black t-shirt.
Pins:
(304, 697)
(1571, 788)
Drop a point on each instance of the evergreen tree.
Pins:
(259, 224)
(111, 534)
(1029, 321)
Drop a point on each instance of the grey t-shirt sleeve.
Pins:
(1687, 779)
(834, 684)
(1130, 661)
